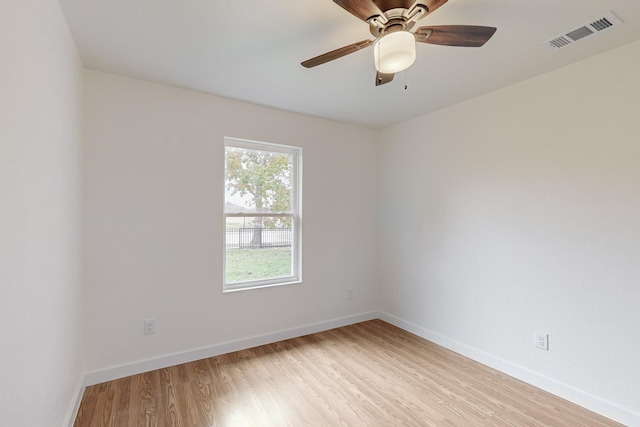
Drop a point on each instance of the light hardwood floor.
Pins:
(368, 374)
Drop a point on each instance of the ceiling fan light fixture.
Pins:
(395, 52)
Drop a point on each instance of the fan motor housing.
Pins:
(398, 19)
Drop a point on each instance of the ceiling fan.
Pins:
(390, 22)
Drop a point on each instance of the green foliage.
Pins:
(264, 175)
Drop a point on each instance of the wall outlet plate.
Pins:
(149, 327)
(541, 340)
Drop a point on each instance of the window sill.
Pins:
(238, 287)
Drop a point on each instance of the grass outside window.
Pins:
(244, 265)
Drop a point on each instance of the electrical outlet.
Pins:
(541, 340)
(149, 326)
(350, 294)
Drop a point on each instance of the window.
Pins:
(261, 214)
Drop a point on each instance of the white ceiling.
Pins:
(251, 50)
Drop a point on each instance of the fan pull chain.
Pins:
(405, 80)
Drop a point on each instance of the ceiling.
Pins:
(251, 50)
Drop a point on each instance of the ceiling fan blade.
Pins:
(362, 9)
(432, 4)
(385, 5)
(455, 35)
(335, 54)
(382, 78)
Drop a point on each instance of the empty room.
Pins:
(319, 213)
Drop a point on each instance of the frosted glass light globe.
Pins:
(395, 52)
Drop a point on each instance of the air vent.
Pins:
(587, 29)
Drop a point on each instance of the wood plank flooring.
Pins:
(368, 374)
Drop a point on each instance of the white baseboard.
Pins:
(72, 412)
(564, 391)
(165, 361)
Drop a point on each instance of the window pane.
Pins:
(262, 214)
(258, 181)
(258, 248)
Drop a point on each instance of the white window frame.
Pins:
(296, 217)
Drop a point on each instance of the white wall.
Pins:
(519, 211)
(41, 349)
(154, 228)
(512, 212)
